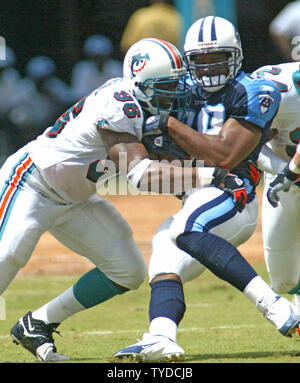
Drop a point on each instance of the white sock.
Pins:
(260, 293)
(163, 326)
(59, 309)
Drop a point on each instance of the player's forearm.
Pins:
(164, 178)
(211, 149)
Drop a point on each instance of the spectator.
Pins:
(9, 81)
(160, 20)
(97, 68)
(285, 31)
(37, 104)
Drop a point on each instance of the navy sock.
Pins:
(219, 256)
(167, 300)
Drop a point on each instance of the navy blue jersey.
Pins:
(245, 97)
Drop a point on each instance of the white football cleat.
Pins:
(284, 315)
(152, 348)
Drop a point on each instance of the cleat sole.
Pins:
(15, 340)
(142, 359)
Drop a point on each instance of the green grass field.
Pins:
(220, 325)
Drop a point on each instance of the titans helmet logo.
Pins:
(138, 62)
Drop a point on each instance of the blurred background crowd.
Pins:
(57, 52)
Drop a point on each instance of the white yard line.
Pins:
(110, 332)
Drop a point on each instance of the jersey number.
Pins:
(61, 122)
(211, 119)
(274, 71)
(130, 108)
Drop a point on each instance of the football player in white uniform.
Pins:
(285, 179)
(281, 225)
(228, 123)
(50, 185)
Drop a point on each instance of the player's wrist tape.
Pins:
(205, 176)
(163, 123)
(293, 168)
(137, 172)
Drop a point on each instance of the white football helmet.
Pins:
(213, 34)
(154, 68)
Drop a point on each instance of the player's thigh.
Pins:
(210, 209)
(24, 214)
(281, 239)
(23, 221)
(97, 231)
(168, 258)
(281, 225)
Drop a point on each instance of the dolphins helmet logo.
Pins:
(138, 62)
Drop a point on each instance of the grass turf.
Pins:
(220, 325)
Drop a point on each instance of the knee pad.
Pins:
(167, 300)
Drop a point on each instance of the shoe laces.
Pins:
(47, 330)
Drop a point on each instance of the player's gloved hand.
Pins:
(283, 181)
(233, 185)
(156, 124)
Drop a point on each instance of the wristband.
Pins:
(163, 123)
(205, 176)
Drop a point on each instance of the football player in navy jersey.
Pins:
(226, 126)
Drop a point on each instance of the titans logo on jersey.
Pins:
(245, 97)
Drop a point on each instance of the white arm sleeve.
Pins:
(269, 162)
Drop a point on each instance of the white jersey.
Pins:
(287, 120)
(68, 153)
